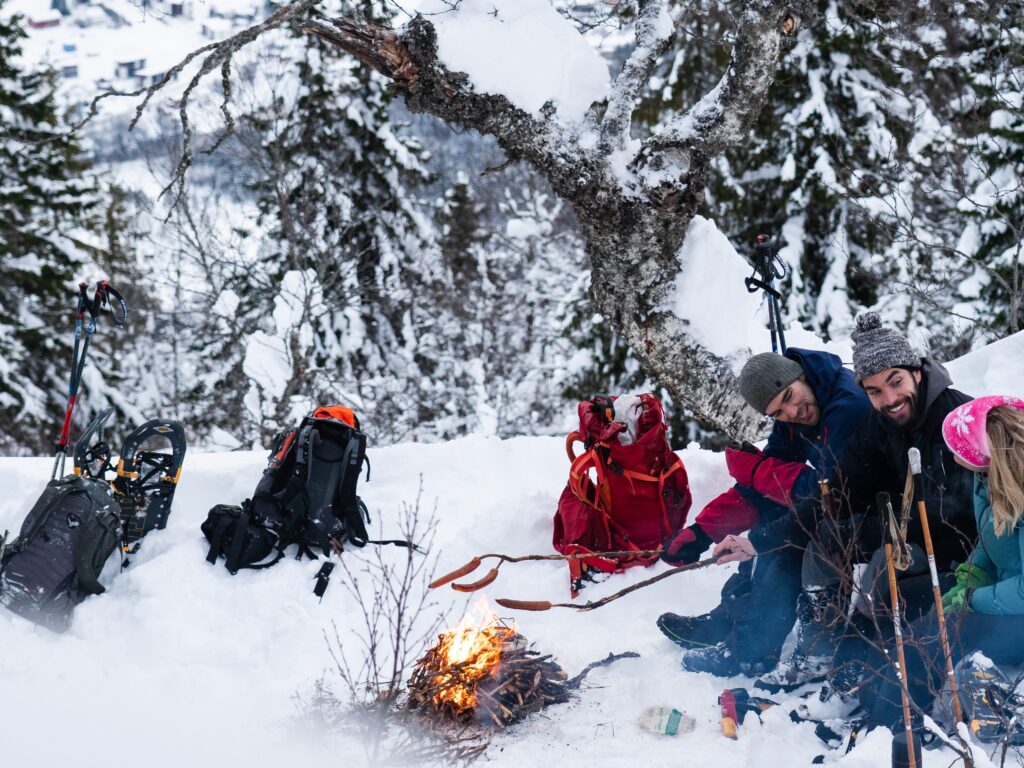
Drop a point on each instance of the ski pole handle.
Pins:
(102, 298)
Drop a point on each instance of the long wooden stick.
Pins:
(545, 605)
(883, 502)
(914, 456)
(473, 564)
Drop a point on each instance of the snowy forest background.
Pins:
(337, 248)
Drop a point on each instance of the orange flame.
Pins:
(473, 648)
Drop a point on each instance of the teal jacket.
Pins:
(1000, 557)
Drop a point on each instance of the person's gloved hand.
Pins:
(968, 578)
(956, 600)
(972, 577)
(742, 462)
(734, 549)
(685, 546)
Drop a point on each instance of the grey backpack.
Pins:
(56, 561)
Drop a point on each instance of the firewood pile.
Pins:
(485, 675)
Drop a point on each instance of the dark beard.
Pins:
(911, 412)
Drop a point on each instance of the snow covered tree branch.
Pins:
(654, 33)
(634, 200)
(410, 59)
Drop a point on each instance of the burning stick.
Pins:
(488, 675)
(473, 564)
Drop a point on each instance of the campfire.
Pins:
(483, 671)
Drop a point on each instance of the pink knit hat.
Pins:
(964, 428)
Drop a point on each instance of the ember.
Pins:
(483, 671)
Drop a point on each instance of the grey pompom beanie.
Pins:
(876, 348)
(764, 376)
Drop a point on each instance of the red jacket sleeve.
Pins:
(726, 514)
(774, 479)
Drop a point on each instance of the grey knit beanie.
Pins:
(876, 348)
(764, 376)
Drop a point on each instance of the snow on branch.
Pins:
(725, 116)
(411, 60)
(654, 33)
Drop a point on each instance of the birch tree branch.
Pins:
(410, 59)
(677, 152)
(654, 33)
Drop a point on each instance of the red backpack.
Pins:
(619, 498)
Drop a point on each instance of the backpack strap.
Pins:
(217, 537)
(353, 509)
(234, 554)
(583, 488)
(99, 539)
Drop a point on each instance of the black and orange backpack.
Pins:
(307, 496)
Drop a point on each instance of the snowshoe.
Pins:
(991, 707)
(91, 457)
(146, 480)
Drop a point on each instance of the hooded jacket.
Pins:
(799, 455)
(1000, 557)
(876, 460)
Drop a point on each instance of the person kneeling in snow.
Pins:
(817, 405)
(985, 608)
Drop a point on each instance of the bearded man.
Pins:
(910, 396)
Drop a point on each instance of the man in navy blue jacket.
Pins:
(817, 406)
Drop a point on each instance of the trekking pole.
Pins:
(883, 502)
(101, 298)
(914, 457)
(473, 564)
(767, 268)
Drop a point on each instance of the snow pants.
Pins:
(760, 600)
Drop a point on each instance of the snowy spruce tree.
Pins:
(328, 298)
(861, 163)
(516, 268)
(989, 145)
(47, 230)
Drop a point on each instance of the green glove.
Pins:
(972, 577)
(956, 600)
(968, 578)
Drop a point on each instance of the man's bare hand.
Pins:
(733, 549)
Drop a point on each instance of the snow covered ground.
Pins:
(181, 664)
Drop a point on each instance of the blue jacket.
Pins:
(844, 406)
(1000, 557)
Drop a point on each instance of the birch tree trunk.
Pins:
(633, 229)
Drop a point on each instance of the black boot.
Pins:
(719, 660)
(696, 631)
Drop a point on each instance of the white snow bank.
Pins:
(997, 369)
(185, 665)
(178, 656)
(723, 316)
(521, 49)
